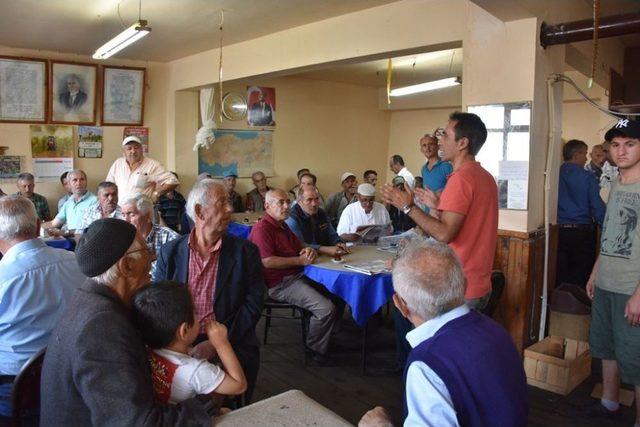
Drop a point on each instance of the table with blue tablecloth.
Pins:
(365, 294)
(241, 223)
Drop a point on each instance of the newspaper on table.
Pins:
(369, 267)
(371, 233)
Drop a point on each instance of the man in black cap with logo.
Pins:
(96, 370)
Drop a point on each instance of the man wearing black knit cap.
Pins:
(96, 370)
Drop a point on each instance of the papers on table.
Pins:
(369, 267)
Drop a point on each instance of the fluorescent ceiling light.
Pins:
(424, 87)
(122, 40)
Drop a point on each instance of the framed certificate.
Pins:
(23, 90)
(123, 96)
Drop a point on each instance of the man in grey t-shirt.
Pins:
(614, 282)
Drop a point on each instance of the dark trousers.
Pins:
(576, 255)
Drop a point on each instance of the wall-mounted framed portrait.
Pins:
(123, 96)
(23, 90)
(73, 93)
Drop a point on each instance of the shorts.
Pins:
(611, 336)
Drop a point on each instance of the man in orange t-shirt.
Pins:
(465, 215)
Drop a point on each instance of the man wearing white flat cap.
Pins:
(366, 212)
(134, 173)
(336, 202)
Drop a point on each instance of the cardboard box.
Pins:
(573, 326)
(557, 364)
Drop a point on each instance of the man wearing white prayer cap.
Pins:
(134, 173)
(366, 212)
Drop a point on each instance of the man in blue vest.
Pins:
(463, 368)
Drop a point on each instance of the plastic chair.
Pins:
(297, 313)
(498, 283)
(25, 394)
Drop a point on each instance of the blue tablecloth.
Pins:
(68, 244)
(364, 294)
(239, 230)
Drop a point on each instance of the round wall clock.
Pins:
(234, 106)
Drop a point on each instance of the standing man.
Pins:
(598, 157)
(580, 212)
(463, 369)
(434, 172)
(223, 273)
(36, 283)
(609, 170)
(64, 180)
(234, 197)
(396, 164)
(614, 284)
(311, 224)
(106, 207)
(25, 189)
(467, 209)
(134, 173)
(283, 259)
(370, 177)
(336, 202)
(72, 213)
(255, 197)
(358, 215)
(171, 207)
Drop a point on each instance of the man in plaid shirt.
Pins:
(138, 210)
(25, 189)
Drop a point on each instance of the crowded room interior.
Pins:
(320, 212)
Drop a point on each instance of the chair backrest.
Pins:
(498, 283)
(25, 394)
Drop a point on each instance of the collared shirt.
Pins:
(63, 200)
(36, 282)
(127, 180)
(335, 205)
(94, 213)
(203, 273)
(236, 201)
(172, 209)
(41, 204)
(317, 229)
(274, 239)
(408, 177)
(73, 210)
(428, 400)
(436, 178)
(157, 237)
(255, 200)
(354, 216)
(594, 169)
(579, 200)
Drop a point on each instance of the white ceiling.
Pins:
(407, 70)
(179, 27)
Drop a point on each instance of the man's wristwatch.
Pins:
(407, 208)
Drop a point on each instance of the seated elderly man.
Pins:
(255, 197)
(26, 184)
(36, 283)
(223, 273)
(70, 217)
(96, 370)
(293, 192)
(463, 369)
(138, 210)
(307, 180)
(311, 224)
(230, 179)
(106, 207)
(357, 216)
(284, 258)
(64, 181)
(336, 202)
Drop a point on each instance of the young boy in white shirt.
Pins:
(164, 314)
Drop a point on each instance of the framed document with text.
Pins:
(23, 90)
(123, 96)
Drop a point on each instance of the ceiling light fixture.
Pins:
(125, 38)
(425, 87)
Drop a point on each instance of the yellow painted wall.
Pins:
(327, 127)
(17, 137)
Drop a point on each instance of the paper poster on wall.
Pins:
(90, 142)
(52, 151)
(140, 132)
(10, 166)
(513, 183)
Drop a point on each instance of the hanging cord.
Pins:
(389, 71)
(614, 114)
(220, 66)
(596, 24)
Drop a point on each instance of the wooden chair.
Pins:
(297, 313)
(498, 283)
(25, 394)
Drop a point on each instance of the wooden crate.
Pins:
(557, 364)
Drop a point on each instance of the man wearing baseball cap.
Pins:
(96, 370)
(234, 198)
(134, 173)
(366, 212)
(336, 202)
(614, 284)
